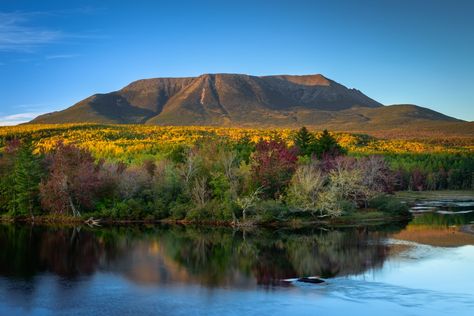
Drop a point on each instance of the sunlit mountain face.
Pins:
(252, 101)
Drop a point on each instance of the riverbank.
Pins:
(360, 218)
(430, 199)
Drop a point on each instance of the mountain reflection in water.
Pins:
(205, 256)
(420, 268)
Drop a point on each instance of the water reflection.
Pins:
(211, 271)
(440, 223)
(205, 256)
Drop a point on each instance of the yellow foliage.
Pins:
(115, 141)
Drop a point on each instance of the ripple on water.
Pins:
(358, 290)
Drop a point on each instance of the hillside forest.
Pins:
(228, 175)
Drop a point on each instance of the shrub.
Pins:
(178, 211)
(213, 210)
(346, 182)
(347, 207)
(200, 213)
(129, 210)
(330, 203)
(271, 210)
(389, 204)
(376, 174)
(305, 187)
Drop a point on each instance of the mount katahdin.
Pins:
(243, 100)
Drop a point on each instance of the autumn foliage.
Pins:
(273, 165)
(208, 173)
(73, 181)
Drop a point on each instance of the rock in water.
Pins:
(312, 280)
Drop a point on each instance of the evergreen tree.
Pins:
(25, 179)
(327, 145)
(304, 141)
(322, 146)
(7, 163)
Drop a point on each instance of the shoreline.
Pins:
(361, 217)
(454, 195)
(343, 221)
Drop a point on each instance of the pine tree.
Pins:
(327, 145)
(25, 180)
(7, 163)
(304, 141)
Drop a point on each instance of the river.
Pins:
(424, 267)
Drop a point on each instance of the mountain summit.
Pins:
(238, 100)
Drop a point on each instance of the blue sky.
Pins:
(55, 53)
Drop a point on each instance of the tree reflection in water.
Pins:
(206, 256)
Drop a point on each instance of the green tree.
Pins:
(7, 162)
(326, 144)
(304, 141)
(25, 179)
(244, 148)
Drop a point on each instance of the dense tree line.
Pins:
(217, 180)
(433, 171)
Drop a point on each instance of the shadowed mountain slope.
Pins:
(243, 100)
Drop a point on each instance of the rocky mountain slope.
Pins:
(243, 100)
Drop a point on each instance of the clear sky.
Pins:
(55, 53)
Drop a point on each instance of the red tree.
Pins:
(273, 165)
(73, 181)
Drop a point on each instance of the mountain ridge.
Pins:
(225, 99)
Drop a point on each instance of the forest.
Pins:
(226, 175)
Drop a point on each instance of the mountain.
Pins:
(242, 100)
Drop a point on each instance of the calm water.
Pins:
(423, 268)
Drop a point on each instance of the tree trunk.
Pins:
(74, 211)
